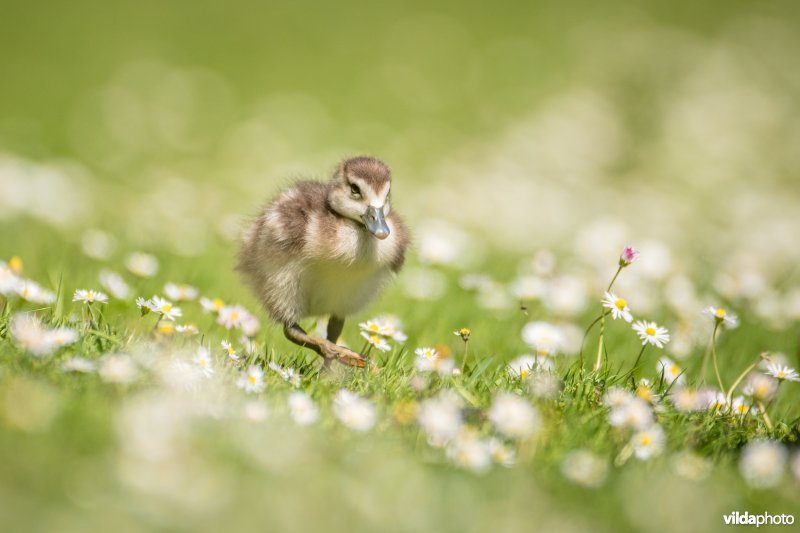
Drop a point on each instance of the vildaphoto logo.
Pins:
(746, 519)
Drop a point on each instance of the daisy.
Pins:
(429, 360)
(29, 334)
(211, 305)
(252, 380)
(618, 306)
(652, 333)
(636, 414)
(187, 329)
(353, 411)
(393, 327)
(89, 296)
(722, 316)
(648, 442)
(142, 265)
(145, 306)
(60, 337)
(32, 292)
(231, 316)
(78, 364)
(373, 327)
(202, 359)
(180, 292)
(288, 374)
(629, 255)
(469, 451)
(741, 407)
(783, 373)
(670, 370)
(165, 308)
(585, 468)
(545, 338)
(440, 418)
(302, 408)
(376, 341)
(502, 454)
(230, 350)
(113, 283)
(762, 463)
(118, 368)
(513, 416)
(760, 387)
(8, 280)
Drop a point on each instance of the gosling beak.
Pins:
(375, 223)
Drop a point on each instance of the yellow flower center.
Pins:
(650, 331)
(674, 370)
(251, 379)
(374, 339)
(235, 315)
(15, 264)
(645, 440)
(217, 304)
(781, 374)
(166, 327)
(167, 308)
(524, 373)
(621, 303)
(720, 313)
(374, 327)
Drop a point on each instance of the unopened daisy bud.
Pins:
(628, 256)
(464, 333)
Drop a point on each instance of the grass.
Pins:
(87, 453)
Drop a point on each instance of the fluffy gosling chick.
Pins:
(325, 249)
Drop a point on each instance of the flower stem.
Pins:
(466, 353)
(599, 359)
(764, 414)
(636, 363)
(714, 357)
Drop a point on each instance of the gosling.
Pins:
(325, 249)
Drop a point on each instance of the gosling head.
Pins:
(360, 191)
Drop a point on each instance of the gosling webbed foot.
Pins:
(325, 348)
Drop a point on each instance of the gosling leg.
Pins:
(335, 327)
(325, 348)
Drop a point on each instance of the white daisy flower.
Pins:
(373, 327)
(584, 468)
(89, 296)
(469, 451)
(202, 359)
(78, 364)
(187, 329)
(648, 442)
(429, 360)
(32, 292)
(211, 305)
(8, 280)
(722, 316)
(440, 418)
(741, 406)
(231, 316)
(377, 341)
(118, 368)
(671, 371)
(524, 365)
(60, 337)
(652, 333)
(545, 338)
(502, 454)
(353, 411)
(288, 374)
(145, 306)
(113, 283)
(762, 463)
(513, 416)
(616, 397)
(618, 306)
(180, 292)
(636, 413)
(760, 387)
(252, 380)
(28, 332)
(230, 350)
(142, 265)
(302, 408)
(165, 308)
(782, 373)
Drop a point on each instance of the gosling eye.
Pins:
(354, 190)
